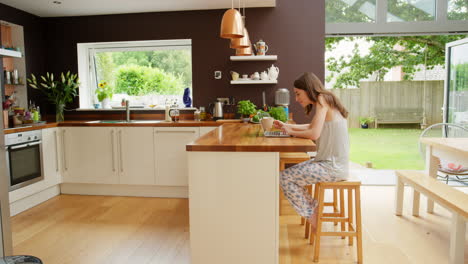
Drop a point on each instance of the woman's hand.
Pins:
(287, 129)
(278, 124)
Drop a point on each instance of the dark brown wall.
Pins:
(34, 39)
(294, 30)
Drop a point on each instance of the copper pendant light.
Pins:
(244, 51)
(243, 42)
(232, 26)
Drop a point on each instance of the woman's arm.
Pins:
(312, 130)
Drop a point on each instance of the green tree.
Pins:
(143, 80)
(458, 10)
(177, 62)
(383, 55)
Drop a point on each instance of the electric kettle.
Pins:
(216, 110)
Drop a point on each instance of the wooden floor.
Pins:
(98, 230)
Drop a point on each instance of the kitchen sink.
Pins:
(123, 121)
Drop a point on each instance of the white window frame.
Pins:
(382, 27)
(86, 52)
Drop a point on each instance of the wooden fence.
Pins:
(427, 95)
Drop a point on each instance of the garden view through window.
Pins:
(146, 76)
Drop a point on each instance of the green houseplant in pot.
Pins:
(104, 94)
(278, 113)
(246, 108)
(365, 121)
(59, 92)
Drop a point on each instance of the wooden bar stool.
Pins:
(354, 230)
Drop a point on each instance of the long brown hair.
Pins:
(314, 87)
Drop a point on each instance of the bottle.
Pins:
(196, 115)
(202, 113)
(166, 113)
(38, 111)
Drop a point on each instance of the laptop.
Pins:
(275, 134)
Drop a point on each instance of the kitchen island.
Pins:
(233, 194)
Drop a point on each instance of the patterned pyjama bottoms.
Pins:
(293, 181)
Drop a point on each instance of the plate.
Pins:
(242, 79)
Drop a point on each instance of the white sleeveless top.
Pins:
(333, 145)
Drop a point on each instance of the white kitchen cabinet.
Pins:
(170, 155)
(204, 130)
(51, 156)
(136, 155)
(90, 155)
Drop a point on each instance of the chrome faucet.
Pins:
(127, 109)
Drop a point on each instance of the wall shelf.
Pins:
(255, 58)
(255, 82)
(10, 53)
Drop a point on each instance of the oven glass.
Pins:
(25, 164)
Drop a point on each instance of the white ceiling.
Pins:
(46, 8)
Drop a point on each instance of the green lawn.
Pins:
(386, 148)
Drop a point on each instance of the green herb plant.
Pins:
(278, 113)
(246, 108)
(365, 120)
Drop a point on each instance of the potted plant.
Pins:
(246, 108)
(59, 92)
(365, 121)
(104, 94)
(278, 113)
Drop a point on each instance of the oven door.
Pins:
(24, 164)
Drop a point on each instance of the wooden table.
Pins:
(233, 194)
(455, 150)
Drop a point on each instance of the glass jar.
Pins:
(196, 115)
(202, 113)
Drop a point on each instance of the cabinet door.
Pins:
(170, 155)
(50, 156)
(204, 130)
(90, 155)
(136, 155)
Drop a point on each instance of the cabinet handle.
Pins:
(113, 156)
(120, 144)
(56, 151)
(64, 151)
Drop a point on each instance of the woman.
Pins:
(329, 128)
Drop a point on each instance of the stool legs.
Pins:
(350, 215)
(342, 211)
(318, 230)
(358, 224)
(354, 230)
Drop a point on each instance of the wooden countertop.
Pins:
(248, 138)
(182, 123)
(29, 127)
(458, 146)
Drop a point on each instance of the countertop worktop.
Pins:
(248, 138)
(181, 123)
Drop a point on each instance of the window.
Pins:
(359, 17)
(145, 72)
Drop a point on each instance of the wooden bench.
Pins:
(398, 116)
(452, 199)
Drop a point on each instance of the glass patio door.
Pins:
(456, 86)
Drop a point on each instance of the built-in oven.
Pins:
(24, 158)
